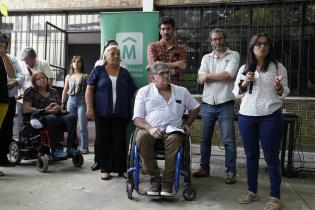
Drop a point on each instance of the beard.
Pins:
(219, 47)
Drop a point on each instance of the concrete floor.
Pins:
(67, 187)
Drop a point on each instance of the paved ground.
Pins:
(66, 187)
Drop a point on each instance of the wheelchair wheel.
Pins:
(42, 163)
(189, 193)
(14, 155)
(77, 160)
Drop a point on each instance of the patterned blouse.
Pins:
(41, 102)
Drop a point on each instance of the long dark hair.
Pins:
(251, 58)
(82, 64)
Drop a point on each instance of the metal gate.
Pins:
(56, 42)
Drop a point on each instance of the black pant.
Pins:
(57, 123)
(111, 144)
(6, 131)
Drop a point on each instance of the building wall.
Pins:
(302, 107)
(42, 5)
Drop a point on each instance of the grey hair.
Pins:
(158, 66)
(28, 53)
(219, 30)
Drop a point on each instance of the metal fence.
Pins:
(291, 25)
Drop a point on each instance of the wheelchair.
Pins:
(34, 143)
(183, 167)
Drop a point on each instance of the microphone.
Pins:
(251, 68)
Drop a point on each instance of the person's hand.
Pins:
(12, 84)
(187, 129)
(202, 78)
(181, 64)
(249, 77)
(155, 133)
(52, 108)
(277, 82)
(90, 113)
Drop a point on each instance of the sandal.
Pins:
(273, 204)
(105, 176)
(247, 198)
(123, 174)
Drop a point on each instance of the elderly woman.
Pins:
(262, 84)
(41, 96)
(108, 96)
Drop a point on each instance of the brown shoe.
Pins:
(230, 178)
(201, 172)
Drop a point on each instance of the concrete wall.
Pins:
(42, 5)
(303, 107)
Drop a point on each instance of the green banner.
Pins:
(133, 31)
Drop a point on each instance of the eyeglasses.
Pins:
(261, 44)
(40, 78)
(217, 39)
(162, 73)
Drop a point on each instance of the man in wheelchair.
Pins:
(158, 112)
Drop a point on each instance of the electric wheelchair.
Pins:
(183, 167)
(34, 143)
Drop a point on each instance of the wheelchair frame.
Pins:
(183, 167)
(36, 146)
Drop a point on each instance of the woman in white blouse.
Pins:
(262, 85)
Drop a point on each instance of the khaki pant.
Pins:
(146, 144)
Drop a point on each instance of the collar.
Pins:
(228, 51)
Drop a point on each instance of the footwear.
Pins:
(201, 172)
(59, 153)
(2, 174)
(73, 152)
(123, 174)
(230, 178)
(273, 204)
(167, 189)
(105, 176)
(84, 151)
(95, 167)
(247, 198)
(155, 187)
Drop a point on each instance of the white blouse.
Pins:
(114, 84)
(264, 99)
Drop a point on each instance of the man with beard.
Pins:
(217, 72)
(168, 50)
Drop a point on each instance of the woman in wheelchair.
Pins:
(42, 96)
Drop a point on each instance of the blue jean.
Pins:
(267, 129)
(224, 114)
(77, 106)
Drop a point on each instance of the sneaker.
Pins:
(167, 190)
(59, 153)
(201, 172)
(2, 174)
(230, 178)
(84, 151)
(72, 152)
(155, 187)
